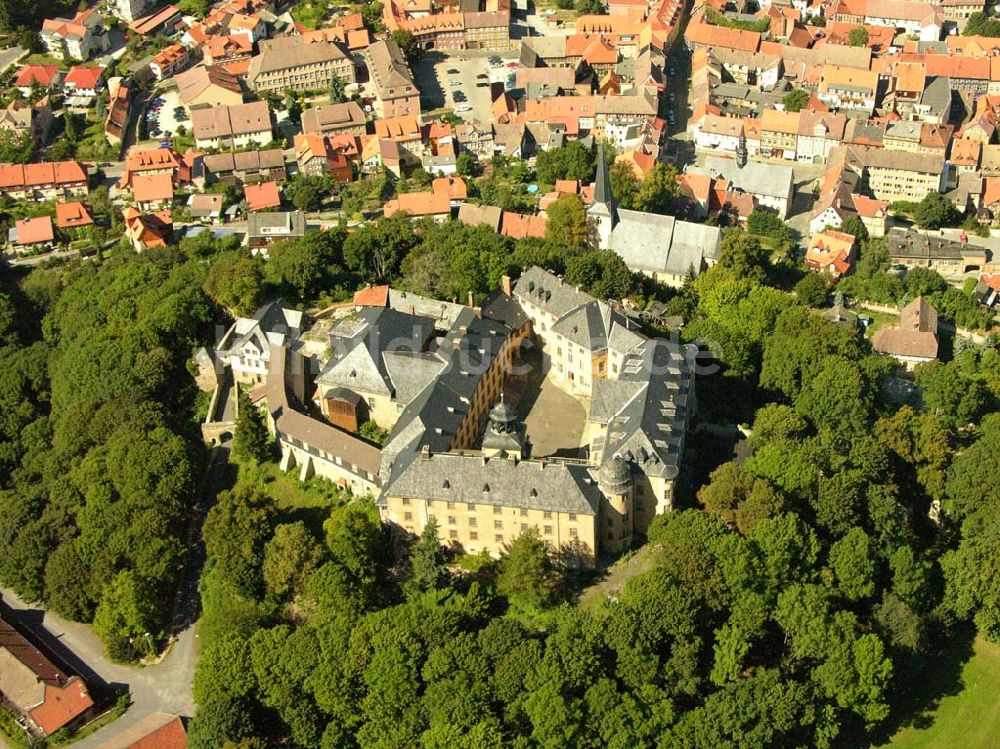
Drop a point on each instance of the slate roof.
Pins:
(529, 484)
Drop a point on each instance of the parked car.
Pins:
(454, 82)
(154, 133)
(463, 108)
(511, 64)
(453, 71)
(166, 143)
(482, 76)
(482, 84)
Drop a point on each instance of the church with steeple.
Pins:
(663, 247)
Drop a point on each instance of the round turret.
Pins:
(614, 476)
(502, 417)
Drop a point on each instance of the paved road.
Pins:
(9, 56)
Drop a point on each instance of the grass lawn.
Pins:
(309, 501)
(879, 320)
(969, 719)
(312, 15)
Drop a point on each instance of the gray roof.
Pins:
(547, 292)
(271, 324)
(285, 52)
(292, 224)
(530, 484)
(756, 178)
(360, 345)
(655, 243)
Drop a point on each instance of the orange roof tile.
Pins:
(34, 230)
(372, 296)
(150, 188)
(73, 214)
(520, 226)
(264, 195)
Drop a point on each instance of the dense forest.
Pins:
(791, 603)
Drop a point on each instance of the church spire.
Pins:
(602, 183)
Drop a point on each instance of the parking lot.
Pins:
(166, 121)
(435, 74)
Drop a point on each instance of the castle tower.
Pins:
(604, 211)
(504, 437)
(741, 151)
(614, 478)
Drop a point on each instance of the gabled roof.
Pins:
(43, 75)
(34, 230)
(261, 196)
(73, 214)
(84, 77)
(153, 188)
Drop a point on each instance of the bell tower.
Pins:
(504, 437)
(604, 210)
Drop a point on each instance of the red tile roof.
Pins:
(73, 214)
(519, 226)
(264, 195)
(153, 188)
(41, 74)
(84, 77)
(34, 230)
(18, 176)
(372, 296)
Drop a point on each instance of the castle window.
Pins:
(498, 538)
(497, 509)
(407, 516)
(524, 513)
(473, 536)
(548, 530)
(452, 534)
(572, 532)
(547, 515)
(498, 525)
(406, 502)
(472, 522)
(451, 505)
(451, 520)
(572, 517)
(524, 527)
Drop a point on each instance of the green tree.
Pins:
(527, 577)
(466, 164)
(126, 615)
(251, 441)
(427, 571)
(372, 15)
(659, 191)
(408, 45)
(376, 251)
(744, 256)
(852, 559)
(16, 148)
(567, 223)
(572, 161)
(337, 95)
(307, 265)
(236, 530)
(813, 290)
(290, 557)
(624, 184)
(857, 37)
(235, 280)
(795, 100)
(935, 211)
(856, 228)
(972, 576)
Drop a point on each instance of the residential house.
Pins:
(262, 196)
(245, 348)
(148, 231)
(831, 252)
(205, 206)
(82, 84)
(435, 204)
(476, 138)
(718, 133)
(237, 126)
(264, 229)
(77, 38)
(951, 259)
(396, 95)
(245, 167)
(155, 731)
(118, 114)
(918, 137)
(205, 87)
(480, 215)
(771, 185)
(290, 62)
(346, 118)
(406, 133)
(897, 175)
(162, 22)
(32, 234)
(33, 119)
(965, 155)
(132, 10)
(45, 76)
(779, 134)
(72, 215)
(45, 697)
(923, 19)
(151, 161)
(914, 341)
(227, 49)
(848, 88)
(48, 181)
(151, 192)
(170, 61)
(522, 226)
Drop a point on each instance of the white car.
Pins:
(463, 108)
(454, 82)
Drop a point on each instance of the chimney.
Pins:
(425, 452)
(470, 301)
(505, 284)
(559, 280)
